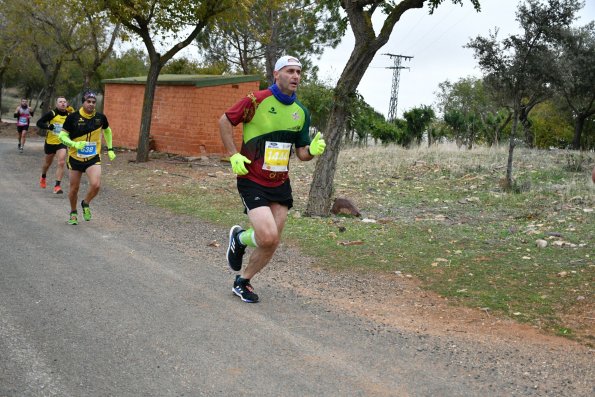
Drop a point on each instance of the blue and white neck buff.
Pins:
(281, 97)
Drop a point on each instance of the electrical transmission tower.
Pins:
(392, 107)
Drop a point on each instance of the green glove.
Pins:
(317, 145)
(237, 164)
(111, 154)
(65, 139)
(79, 145)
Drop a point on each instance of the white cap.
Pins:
(287, 60)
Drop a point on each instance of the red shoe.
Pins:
(42, 183)
(58, 190)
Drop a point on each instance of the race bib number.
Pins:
(57, 129)
(276, 156)
(23, 120)
(88, 151)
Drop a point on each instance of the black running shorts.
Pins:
(52, 149)
(76, 165)
(254, 195)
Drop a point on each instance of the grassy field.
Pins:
(441, 215)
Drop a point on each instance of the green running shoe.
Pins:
(73, 219)
(86, 211)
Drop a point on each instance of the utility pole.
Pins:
(392, 107)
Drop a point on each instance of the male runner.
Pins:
(52, 121)
(23, 114)
(81, 132)
(273, 122)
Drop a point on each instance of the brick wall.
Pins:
(185, 118)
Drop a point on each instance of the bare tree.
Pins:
(85, 37)
(253, 41)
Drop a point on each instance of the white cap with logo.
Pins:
(287, 60)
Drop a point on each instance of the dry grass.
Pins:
(440, 215)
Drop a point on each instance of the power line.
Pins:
(442, 35)
(414, 43)
(392, 107)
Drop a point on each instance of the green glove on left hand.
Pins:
(111, 154)
(238, 164)
(317, 145)
(79, 145)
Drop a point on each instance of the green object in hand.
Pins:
(238, 164)
(317, 145)
(111, 154)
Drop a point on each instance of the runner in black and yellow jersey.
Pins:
(274, 121)
(52, 121)
(81, 132)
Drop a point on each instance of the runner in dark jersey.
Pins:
(81, 132)
(23, 114)
(274, 123)
(52, 121)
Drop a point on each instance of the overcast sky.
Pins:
(436, 44)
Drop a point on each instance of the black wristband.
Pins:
(110, 148)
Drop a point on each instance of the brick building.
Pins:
(186, 111)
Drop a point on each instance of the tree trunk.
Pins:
(321, 189)
(529, 137)
(2, 70)
(579, 123)
(511, 145)
(47, 103)
(501, 128)
(272, 51)
(142, 153)
(458, 140)
(1, 92)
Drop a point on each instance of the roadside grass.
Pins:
(440, 214)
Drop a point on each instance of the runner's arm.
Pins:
(107, 134)
(44, 121)
(65, 139)
(226, 132)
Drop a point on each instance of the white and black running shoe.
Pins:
(243, 289)
(235, 249)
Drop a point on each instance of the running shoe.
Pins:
(42, 183)
(243, 289)
(58, 189)
(86, 211)
(235, 249)
(21, 149)
(73, 218)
